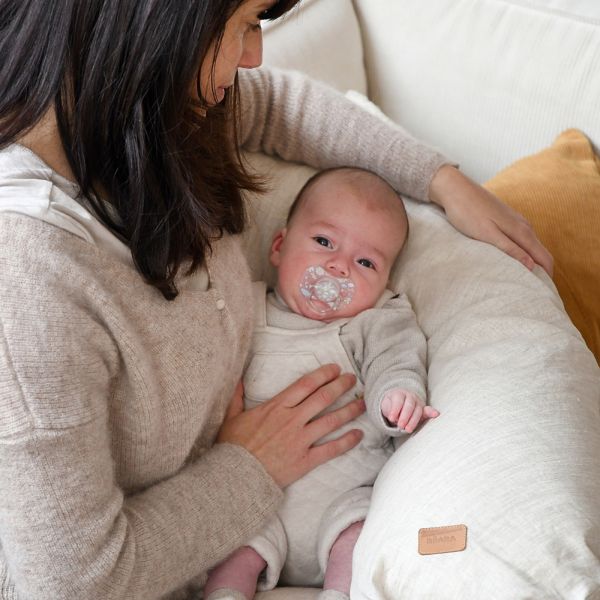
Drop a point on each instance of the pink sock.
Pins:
(339, 566)
(240, 571)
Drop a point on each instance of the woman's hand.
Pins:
(479, 214)
(280, 433)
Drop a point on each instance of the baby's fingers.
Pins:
(407, 411)
(390, 409)
(430, 413)
(421, 413)
(415, 419)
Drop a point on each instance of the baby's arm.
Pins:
(389, 351)
(405, 410)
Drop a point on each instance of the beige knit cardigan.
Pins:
(111, 397)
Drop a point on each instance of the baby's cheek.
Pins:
(288, 281)
(365, 296)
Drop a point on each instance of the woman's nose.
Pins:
(252, 52)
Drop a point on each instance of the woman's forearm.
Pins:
(298, 119)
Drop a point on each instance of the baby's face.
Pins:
(335, 232)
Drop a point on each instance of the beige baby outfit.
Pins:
(386, 349)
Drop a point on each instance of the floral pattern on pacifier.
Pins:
(324, 292)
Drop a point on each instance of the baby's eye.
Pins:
(365, 262)
(322, 241)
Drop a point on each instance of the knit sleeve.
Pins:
(389, 351)
(286, 114)
(67, 529)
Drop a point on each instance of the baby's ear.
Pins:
(276, 246)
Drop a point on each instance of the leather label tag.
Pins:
(437, 540)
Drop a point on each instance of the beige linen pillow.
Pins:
(514, 454)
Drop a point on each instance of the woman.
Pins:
(123, 308)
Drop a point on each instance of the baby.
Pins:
(333, 259)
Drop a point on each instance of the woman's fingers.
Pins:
(521, 243)
(332, 421)
(326, 395)
(236, 405)
(281, 432)
(499, 239)
(322, 453)
(478, 213)
(307, 385)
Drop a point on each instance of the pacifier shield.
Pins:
(324, 292)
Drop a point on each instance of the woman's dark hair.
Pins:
(118, 73)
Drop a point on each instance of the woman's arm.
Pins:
(109, 486)
(479, 214)
(96, 500)
(68, 531)
(298, 119)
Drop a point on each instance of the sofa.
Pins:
(515, 455)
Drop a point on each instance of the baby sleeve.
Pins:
(389, 350)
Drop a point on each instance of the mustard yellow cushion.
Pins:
(558, 191)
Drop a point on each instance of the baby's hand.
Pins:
(406, 410)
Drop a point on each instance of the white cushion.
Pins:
(514, 454)
(585, 9)
(321, 39)
(486, 81)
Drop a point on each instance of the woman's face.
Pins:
(241, 46)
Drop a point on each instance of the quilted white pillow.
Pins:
(514, 455)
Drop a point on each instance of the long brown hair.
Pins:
(118, 74)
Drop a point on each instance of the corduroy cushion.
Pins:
(558, 191)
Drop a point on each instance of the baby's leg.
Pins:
(338, 574)
(236, 577)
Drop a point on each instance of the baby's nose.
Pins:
(338, 267)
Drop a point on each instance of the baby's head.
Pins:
(343, 234)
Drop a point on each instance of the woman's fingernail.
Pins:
(528, 262)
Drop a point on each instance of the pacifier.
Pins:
(324, 292)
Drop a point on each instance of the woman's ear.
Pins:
(276, 246)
